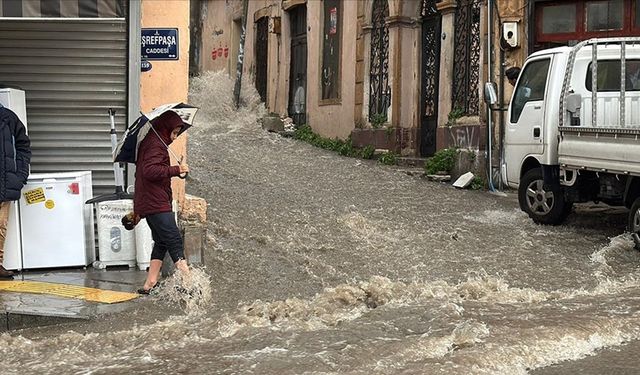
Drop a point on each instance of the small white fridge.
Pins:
(57, 227)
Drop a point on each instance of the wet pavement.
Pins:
(318, 263)
(22, 310)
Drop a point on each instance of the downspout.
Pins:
(502, 108)
(489, 76)
(239, 66)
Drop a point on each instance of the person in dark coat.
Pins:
(15, 148)
(512, 75)
(153, 195)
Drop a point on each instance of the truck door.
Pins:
(524, 133)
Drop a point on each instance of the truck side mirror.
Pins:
(490, 96)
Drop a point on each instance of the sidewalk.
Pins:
(25, 310)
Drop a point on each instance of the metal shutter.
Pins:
(72, 72)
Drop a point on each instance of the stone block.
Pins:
(272, 124)
(195, 241)
(194, 209)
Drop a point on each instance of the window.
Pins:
(604, 15)
(558, 19)
(566, 22)
(609, 76)
(331, 35)
(531, 86)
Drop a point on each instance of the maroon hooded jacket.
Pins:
(153, 171)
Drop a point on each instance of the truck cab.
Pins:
(572, 132)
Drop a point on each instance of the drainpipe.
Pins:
(489, 76)
(239, 67)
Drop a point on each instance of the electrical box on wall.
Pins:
(510, 33)
(274, 25)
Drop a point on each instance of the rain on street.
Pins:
(325, 264)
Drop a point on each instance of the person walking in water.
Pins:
(15, 149)
(153, 195)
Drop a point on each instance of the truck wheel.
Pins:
(544, 206)
(634, 222)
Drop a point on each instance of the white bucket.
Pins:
(144, 244)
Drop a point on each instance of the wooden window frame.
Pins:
(628, 27)
(340, 25)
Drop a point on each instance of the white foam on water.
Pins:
(192, 291)
(212, 92)
(253, 354)
(464, 335)
(347, 302)
(536, 348)
(617, 246)
(514, 217)
(113, 352)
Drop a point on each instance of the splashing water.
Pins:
(191, 292)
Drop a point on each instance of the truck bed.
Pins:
(601, 149)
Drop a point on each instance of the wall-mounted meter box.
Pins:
(510, 33)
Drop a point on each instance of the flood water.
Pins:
(318, 263)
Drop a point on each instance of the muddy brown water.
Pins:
(318, 263)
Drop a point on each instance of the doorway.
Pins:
(298, 67)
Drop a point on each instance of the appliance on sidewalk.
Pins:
(57, 227)
(116, 245)
(14, 99)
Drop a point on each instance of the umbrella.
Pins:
(127, 149)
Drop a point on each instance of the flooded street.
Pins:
(324, 264)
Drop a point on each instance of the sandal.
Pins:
(146, 292)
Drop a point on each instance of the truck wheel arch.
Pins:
(529, 163)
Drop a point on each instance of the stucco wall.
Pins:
(332, 120)
(218, 34)
(168, 81)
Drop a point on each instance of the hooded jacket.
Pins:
(153, 193)
(15, 149)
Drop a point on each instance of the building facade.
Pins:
(406, 75)
(76, 59)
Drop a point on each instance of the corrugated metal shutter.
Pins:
(72, 71)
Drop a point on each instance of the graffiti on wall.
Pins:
(465, 137)
(220, 52)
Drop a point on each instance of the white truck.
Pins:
(573, 130)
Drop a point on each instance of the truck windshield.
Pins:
(609, 75)
(531, 86)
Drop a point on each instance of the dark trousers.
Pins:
(166, 236)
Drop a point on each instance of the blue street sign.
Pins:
(145, 66)
(159, 44)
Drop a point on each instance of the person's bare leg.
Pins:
(183, 267)
(153, 274)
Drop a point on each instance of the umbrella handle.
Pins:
(183, 177)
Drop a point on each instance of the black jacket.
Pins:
(15, 150)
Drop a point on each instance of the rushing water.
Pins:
(322, 264)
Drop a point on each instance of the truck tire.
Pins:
(634, 220)
(543, 206)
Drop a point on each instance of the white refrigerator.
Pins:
(57, 227)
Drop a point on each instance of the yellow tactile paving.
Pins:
(66, 290)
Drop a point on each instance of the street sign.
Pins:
(159, 44)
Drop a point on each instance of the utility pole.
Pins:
(236, 89)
